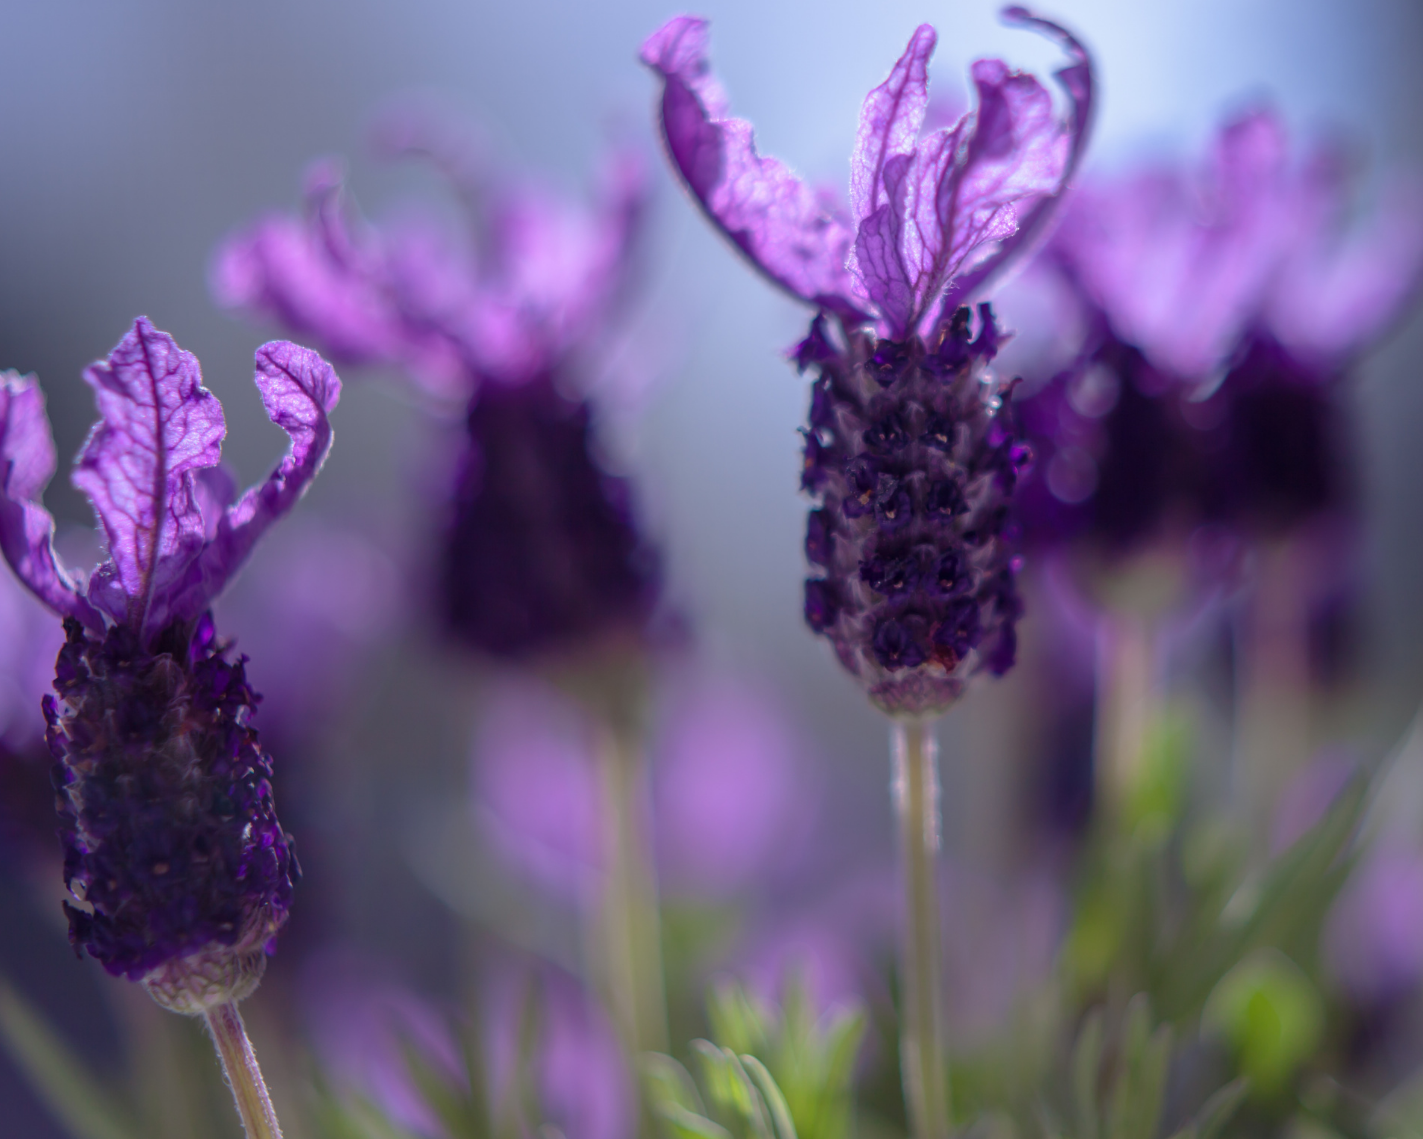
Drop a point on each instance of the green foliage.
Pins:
(1271, 1014)
(770, 1074)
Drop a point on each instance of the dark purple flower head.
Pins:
(172, 845)
(931, 218)
(541, 552)
(912, 538)
(912, 450)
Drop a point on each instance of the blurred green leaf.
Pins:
(72, 1094)
(1270, 1013)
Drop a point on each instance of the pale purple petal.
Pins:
(299, 389)
(1179, 265)
(1339, 287)
(783, 227)
(890, 118)
(940, 211)
(306, 277)
(158, 428)
(27, 463)
(1020, 159)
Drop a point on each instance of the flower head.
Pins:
(541, 549)
(1222, 306)
(911, 449)
(172, 845)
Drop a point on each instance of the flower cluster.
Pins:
(173, 851)
(541, 551)
(912, 450)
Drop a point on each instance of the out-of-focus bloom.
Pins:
(365, 1025)
(911, 449)
(321, 594)
(731, 802)
(541, 550)
(1374, 935)
(172, 845)
(1222, 309)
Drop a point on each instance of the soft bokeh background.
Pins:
(135, 135)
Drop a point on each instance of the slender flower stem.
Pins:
(1272, 732)
(921, 1049)
(631, 937)
(1125, 695)
(259, 1121)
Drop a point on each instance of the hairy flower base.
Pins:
(913, 457)
(542, 551)
(212, 976)
(171, 838)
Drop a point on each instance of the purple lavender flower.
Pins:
(542, 552)
(172, 845)
(365, 1025)
(911, 451)
(731, 803)
(1244, 271)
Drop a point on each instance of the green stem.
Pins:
(631, 941)
(1125, 695)
(921, 1048)
(259, 1121)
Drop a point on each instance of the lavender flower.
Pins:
(1245, 271)
(911, 451)
(173, 851)
(542, 552)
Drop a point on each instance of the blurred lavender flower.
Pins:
(320, 594)
(1222, 308)
(911, 449)
(542, 553)
(366, 1027)
(1374, 935)
(172, 844)
(732, 805)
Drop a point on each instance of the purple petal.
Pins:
(890, 119)
(310, 278)
(1340, 288)
(27, 463)
(1020, 160)
(298, 390)
(139, 467)
(1179, 265)
(783, 227)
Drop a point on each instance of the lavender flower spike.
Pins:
(173, 849)
(912, 449)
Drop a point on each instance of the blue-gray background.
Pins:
(134, 134)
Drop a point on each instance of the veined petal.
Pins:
(890, 118)
(1018, 163)
(27, 463)
(159, 427)
(782, 226)
(298, 390)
